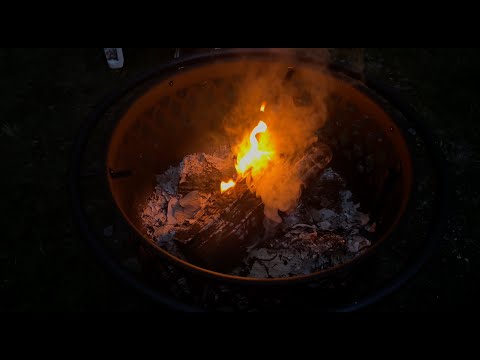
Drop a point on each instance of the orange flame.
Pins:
(253, 154)
(224, 186)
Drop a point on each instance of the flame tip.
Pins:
(262, 107)
(224, 186)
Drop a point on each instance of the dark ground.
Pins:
(46, 94)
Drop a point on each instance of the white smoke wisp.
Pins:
(295, 111)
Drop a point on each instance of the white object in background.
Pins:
(114, 57)
(177, 53)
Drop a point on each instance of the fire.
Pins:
(262, 108)
(253, 154)
(224, 186)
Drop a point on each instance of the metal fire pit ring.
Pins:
(105, 256)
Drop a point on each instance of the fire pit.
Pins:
(302, 155)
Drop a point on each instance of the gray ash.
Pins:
(324, 230)
(310, 239)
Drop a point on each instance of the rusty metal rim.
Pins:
(118, 270)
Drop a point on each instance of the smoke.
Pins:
(295, 111)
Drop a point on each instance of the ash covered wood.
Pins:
(224, 228)
(232, 221)
(189, 217)
(203, 173)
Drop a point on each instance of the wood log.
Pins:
(224, 229)
(203, 173)
(230, 222)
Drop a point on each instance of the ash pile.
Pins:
(228, 232)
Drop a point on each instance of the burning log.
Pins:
(224, 228)
(232, 221)
(216, 232)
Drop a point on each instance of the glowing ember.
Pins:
(253, 154)
(224, 186)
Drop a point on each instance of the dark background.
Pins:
(45, 95)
